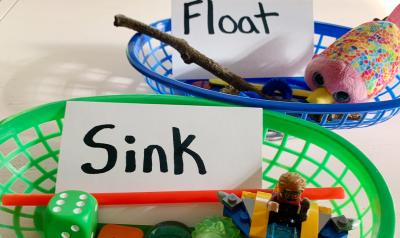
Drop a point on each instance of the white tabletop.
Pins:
(52, 50)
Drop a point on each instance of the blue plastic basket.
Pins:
(154, 59)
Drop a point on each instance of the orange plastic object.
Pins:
(208, 196)
(117, 231)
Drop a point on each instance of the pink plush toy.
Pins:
(359, 65)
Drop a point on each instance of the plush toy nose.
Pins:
(320, 96)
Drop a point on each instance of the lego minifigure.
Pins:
(287, 207)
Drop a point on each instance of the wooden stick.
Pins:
(142, 198)
(189, 54)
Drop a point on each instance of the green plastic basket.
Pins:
(29, 146)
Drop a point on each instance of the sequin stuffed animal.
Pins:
(359, 65)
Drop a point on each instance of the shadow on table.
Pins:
(66, 71)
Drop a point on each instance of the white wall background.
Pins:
(53, 49)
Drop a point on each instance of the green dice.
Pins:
(71, 214)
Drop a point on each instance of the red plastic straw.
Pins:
(209, 196)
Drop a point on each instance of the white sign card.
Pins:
(120, 147)
(253, 38)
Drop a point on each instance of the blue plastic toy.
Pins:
(235, 209)
(280, 85)
(329, 231)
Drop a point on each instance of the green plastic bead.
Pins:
(71, 214)
(216, 227)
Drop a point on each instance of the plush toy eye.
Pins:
(341, 97)
(318, 79)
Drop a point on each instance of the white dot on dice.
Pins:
(63, 195)
(75, 228)
(65, 235)
(57, 209)
(77, 210)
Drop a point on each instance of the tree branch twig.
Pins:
(189, 54)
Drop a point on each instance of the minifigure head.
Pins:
(291, 187)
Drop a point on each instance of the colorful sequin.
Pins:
(373, 50)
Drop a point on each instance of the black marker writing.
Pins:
(180, 147)
(111, 151)
(226, 23)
